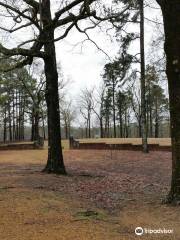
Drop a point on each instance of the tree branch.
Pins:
(66, 9)
(16, 29)
(20, 13)
(32, 3)
(26, 61)
(89, 39)
(66, 32)
(21, 51)
(72, 18)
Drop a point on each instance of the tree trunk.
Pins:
(43, 124)
(156, 135)
(156, 119)
(66, 129)
(13, 116)
(114, 110)
(89, 125)
(23, 119)
(17, 129)
(9, 120)
(171, 10)
(69, 129)
(126, 124)
(120, 121)
(150, 114)
(32, 125)
(5, 126)
(55, 163)
(108, 127)
(101, 127)
(149, 111)
(19, 122)
(150, 122)
(86, 128)
(36, 126)
(143, 101)
(139, 128)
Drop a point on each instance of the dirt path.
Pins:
(105, 196)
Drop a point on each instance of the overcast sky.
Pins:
(84, 63)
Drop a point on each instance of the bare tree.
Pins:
(37, 18)
(67, 117)
(143, 82)
(97, 107)
(36, 91)
(86, 107)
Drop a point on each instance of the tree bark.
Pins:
(43, 124)
(150, 122)
(16, 116)
(108, 127)
(5, 126)
(126, 124)
(139, 129)
(101, 127)
(120, 120)
(150, 114)
(32, 125)
(143, 101)
(36, 125)
(55, 163)
(13, 116)
(9, 119)
(19, 119)
(156, 119)
(171, 16)
(66, 128)
(89, 124)
(114, 109)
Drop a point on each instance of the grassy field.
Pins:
(160, 141)
(65, 144)
(138, 141)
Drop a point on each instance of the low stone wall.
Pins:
(124, 146)
(91, 146)
(19, 146)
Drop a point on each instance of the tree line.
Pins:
(116, 112)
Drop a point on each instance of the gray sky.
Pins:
(84, 63)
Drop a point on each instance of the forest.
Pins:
(89, 119)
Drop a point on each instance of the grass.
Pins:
(161, 141)
(65, 144)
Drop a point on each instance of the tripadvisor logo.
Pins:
(140, 231)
